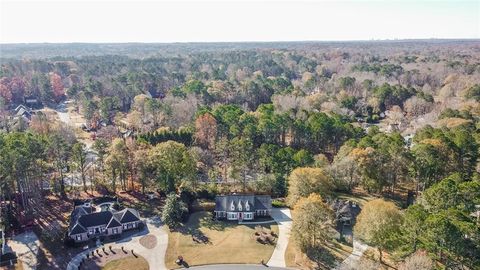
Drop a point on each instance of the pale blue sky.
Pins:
(230, 20)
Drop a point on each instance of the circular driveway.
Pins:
(236, 267)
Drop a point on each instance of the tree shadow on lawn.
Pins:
(200, 220)
(146, 207)
(322, 256)
(208, 221)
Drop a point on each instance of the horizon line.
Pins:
(245, 41)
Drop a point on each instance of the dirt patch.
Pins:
(148, 241)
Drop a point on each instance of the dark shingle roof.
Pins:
(82, 217)
(221, 203)
(114, 223)
(256, 202)
(78, 212)
(78, 229)
(128, 215)
(95, 219)
(263, 202)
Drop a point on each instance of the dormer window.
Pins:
(232, 206)
(240, 205)
(247, 206)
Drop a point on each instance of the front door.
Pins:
(240, 217)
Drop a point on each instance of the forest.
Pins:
(301, 121)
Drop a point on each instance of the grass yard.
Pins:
(295, 258)
(334, 251)
(227, 242)
(388, 262)
(358, 195)
(127, 264)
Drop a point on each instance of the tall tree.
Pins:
(117, 163)
(305, 181)
(206, 130)
(174, 210)
(79, 156)
(172, 164)
(379, 225)
(312, 223)
(57, 86)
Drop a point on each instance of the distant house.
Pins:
(242, 207)
(95, 218)
(345, 212)
(32, 102)
(24, 112)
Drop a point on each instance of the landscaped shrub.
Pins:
(116, 206)
(205, 194)
(279, 203)
(174, 211)
(187, 197)
(264, 237)
(69, 242)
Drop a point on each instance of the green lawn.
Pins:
(127, 263)
(359, 197)
(227, 242)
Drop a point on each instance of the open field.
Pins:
(127, 264)
(227, 242)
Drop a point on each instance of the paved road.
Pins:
(284, 220)
(154, 256)
(236, 267)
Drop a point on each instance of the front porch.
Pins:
(240, 216)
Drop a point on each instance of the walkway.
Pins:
(256, 222)
(351, 261)
(154, 256)
(26, 247)
(284, 220)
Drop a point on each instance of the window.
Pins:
(240, 205)
(133, 225)
(79, 238)
(247, 206)
(232, 206)
(115, 230)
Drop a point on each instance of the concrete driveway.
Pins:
(283, 218)
(351, 261)
(235, 267)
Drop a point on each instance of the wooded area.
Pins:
(301, 121)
